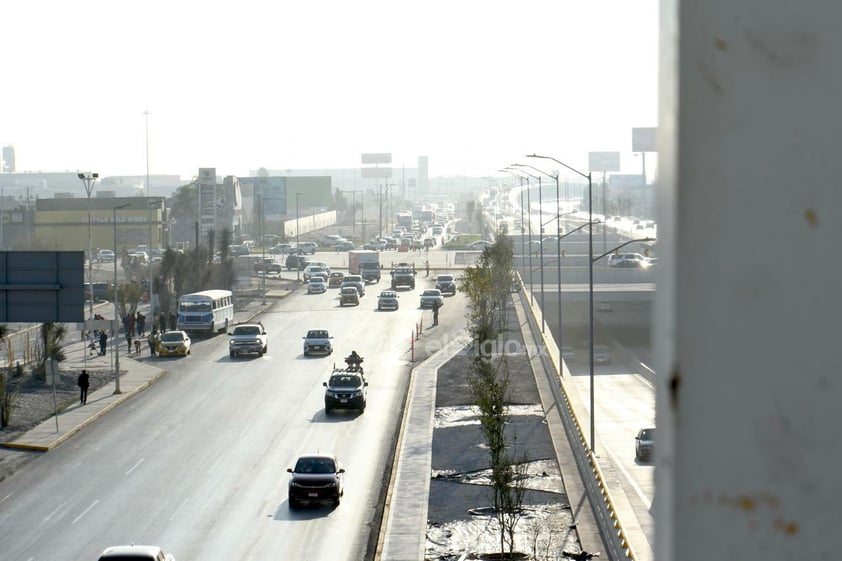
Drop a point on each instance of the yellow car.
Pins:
(174, 343)
(335, 279)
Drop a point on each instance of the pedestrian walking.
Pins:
(130, 326)
(436, 307)
(162, 323)
(137, 347)
(103, 340)
(140, 322)
(172, 322)
(129, 341)
(152, 340)
(83, 382)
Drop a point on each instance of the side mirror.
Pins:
(289, 470)
(324, 384)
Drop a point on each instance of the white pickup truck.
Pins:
(248, 338)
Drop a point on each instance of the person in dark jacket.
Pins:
(83, 382)
(172, 322)
(436, 307)
(103, 340)
(162, 322)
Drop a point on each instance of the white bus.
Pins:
(209, 311)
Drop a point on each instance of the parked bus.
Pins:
(209, 311)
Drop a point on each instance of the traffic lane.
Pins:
(204, 451)
(624, 403)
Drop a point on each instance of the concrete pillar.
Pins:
(747, 312)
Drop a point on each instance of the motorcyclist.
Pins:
(354, 360)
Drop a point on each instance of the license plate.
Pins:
(343, 401)
(313, 495)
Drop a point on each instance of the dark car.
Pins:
(296, 261)
(446, 284)
(267, 265)
(345, 390)
(316, 478)
(644, 444)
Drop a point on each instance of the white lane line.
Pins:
(75, 520)
(58, 508)
(172, 432)
(6, 497)
(213, 467)
(630, 479)
(140, 461)
(174, 514)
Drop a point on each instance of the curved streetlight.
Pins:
(541, 228)
(88, 180)
(520, 180)
(515, 172)
(590, 284)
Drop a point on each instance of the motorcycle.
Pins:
(354, 364)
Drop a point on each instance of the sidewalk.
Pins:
(136, 374)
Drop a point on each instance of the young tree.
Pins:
(487, 287)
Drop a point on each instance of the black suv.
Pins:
(403, 276)
(345, 390)
(296, 261)
(446, 284)
(316, 477)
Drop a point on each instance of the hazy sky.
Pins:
(473, 85)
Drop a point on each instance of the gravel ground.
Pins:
(459, 519)
(34, 404)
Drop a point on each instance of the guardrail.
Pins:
(607, 517)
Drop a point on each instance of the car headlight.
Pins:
(356, 393)
(231, 343)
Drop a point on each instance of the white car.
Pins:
(430, 296)
(135, 552)
(634, 260)
(317, 341)
(316, 285)
(315, 270)
(105, 256)
(388, 300)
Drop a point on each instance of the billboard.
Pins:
(644, 139)
(380, 158)
(42, 286)
(604, 161)
(376, 172)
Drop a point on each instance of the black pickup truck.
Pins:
(403, 275)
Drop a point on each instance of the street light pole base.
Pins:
(117, 392)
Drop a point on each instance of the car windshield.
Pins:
(247, 330)
(445, 278)
(317, 334)
(431, 293)
(315, 465)
(344, 381)
(388, 295)
(172, 336)
(647, 434)
(194, 307)
(349, 290)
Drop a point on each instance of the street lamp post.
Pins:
(522, 251)
(541, 227)
(297, 239)
(114, 343)
(88, 180)
(590, 287)
(558, 242)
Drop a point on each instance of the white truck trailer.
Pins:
(366, 263)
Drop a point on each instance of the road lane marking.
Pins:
(175, 430)
(174, 514)
(59, 507)
(630, 479)
(75, 520)
(6, 497)
(140, 461)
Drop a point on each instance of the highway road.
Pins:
(197, 463)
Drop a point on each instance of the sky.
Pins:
(472, 85)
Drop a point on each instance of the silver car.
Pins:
(388, 300)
